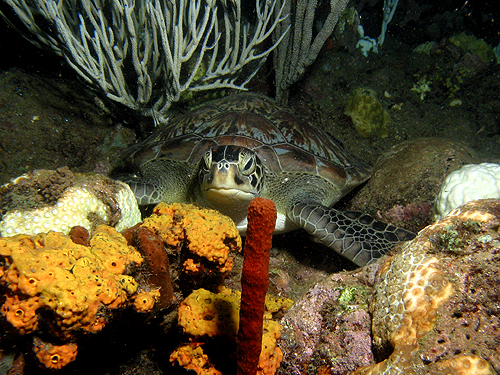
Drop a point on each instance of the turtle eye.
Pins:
(248, 163)
(207, 160)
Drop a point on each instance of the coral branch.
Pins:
(254, 283)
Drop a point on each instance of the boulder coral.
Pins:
(425, 288)
(74, 285)
(403, 189)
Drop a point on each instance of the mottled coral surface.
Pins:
(433, 306)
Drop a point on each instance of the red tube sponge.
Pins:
(254, 283)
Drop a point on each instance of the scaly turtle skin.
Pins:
(229, 151)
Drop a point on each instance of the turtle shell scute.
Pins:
(282, 141)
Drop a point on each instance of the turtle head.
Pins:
(229, 174)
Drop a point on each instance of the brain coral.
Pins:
(431, 293)
(471, 182)
(45, 200)
(78, 284)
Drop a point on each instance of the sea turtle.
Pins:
(228, 151)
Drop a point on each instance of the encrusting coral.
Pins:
(422, 286)
(44, 200)
(78, 284)
(254, 283)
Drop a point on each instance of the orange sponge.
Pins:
(54, 357)
(207, 233)
(74, 281)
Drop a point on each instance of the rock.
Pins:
(329, 328)
(406, 180)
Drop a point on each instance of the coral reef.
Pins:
(201, 241)
(422, 87)
(45, 200)
(254, 283)
(369, 116)
(205, 314)
(428, 285)
(457, 62)
(434, 306)
(415, 214)
(69, 287)
(471, 182)
(328, 330)
(477, 47)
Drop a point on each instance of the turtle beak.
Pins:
(224, 176)
(225, 191)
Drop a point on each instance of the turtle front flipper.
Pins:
(356, 236)
(144, 192)
(161, 180)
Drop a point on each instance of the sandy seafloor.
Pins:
(49, 118)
